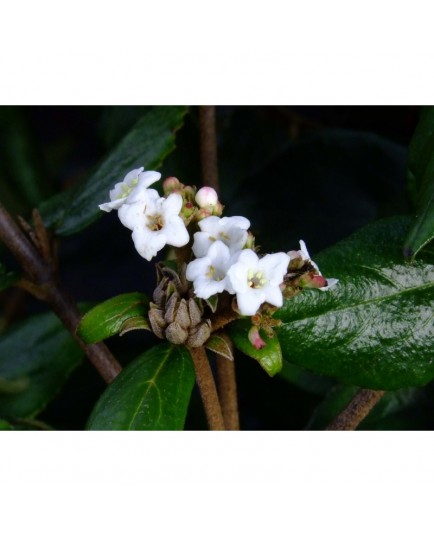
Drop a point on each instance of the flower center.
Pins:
(215, 274)
(156, 222)
(127, 189)
(255, 280)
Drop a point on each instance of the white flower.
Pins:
(209, 273)
(232, 231)
(155, 222)
(133, 188)
(206, 197)
(256, 281)
(304, 255)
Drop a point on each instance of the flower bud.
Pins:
(203, 213)
(188, 193)
(218, 209)
(206, 197)
(255, 338)
(170, 185)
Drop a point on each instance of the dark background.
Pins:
(316, 173)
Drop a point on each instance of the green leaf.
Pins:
(21, 162)
(375, 328)
(269, 357)
(7, 279)
(152, 393)
(306, 380)
(36, 358)
(147, 144)
(116, 315)
(4, 425)
(420, 172)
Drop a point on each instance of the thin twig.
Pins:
(208, 146)
(41, 282)
(207, 388)
(359, 407)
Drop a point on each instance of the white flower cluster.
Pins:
(223, 265)
(154, 220)
(223, 259)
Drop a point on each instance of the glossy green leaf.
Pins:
(36, 358)
(152, 393)
(147, 144)
(269, 357)
(375, 328)
(114, 316)
(7, 279)
(420, 172)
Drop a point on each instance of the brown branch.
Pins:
(359, 407)
(207, 388)
(208, 146)
(41, 283)
(228, 396)
(227, 386)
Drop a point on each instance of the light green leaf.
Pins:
(152, 393)
(116, 315)
(269, 357)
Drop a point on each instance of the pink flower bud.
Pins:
(170, 185)
(255, 338)
(206, 197)
(218, 209)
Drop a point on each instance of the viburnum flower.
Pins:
(155, 222)
(209, 273)
(232, 231)
(322, 283)
(132, 189)
(256, 281)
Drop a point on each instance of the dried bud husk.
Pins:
(173, 317)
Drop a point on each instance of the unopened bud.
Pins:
(188, 211)
(188, 193)
(170, 185)
(255, 338)
(203, 213)
(250, 242)
(218, 209)
(206, 197)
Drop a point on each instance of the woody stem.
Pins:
(207, 388)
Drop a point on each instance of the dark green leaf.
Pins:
(7, 279)
(4, 425)
(375, 328)
(269, 357)
(36, 358)
(420, 173)
(24, 175)
(147, 144)
(114, 316)
(152, 393)
(306, 380)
